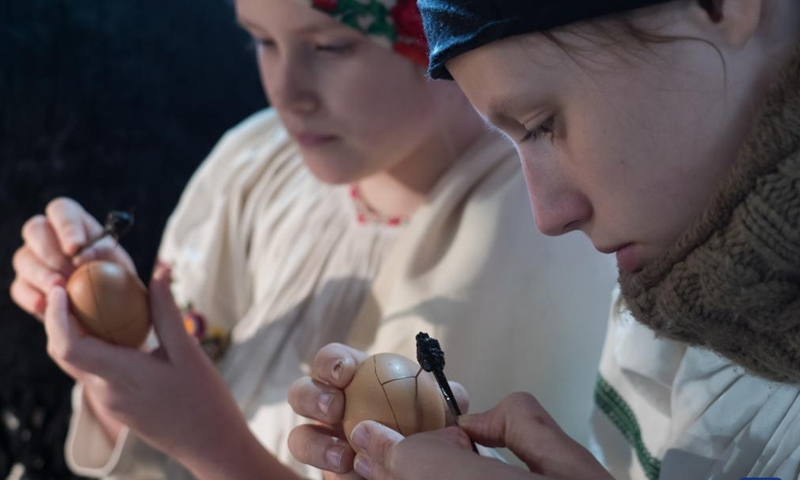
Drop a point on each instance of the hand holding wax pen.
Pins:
(431, 358)
(118, 223)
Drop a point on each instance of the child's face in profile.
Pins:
(627, 148)
(354, 107)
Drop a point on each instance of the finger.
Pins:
(335, 364)
(522, 425)
(106, 249)
(319, 447)
(374, 443)
(76, 353)
(341, 476)
(374, 439)
(41, 239)
(73, 226)
(28, 298)
(166, 315)
(316, 400)
(504, 425)
(34, 272)
(60, 333)
(441, 454)
(369, 469)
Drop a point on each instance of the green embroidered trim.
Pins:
(371, 17)
(621, 415)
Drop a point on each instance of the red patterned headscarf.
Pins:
(395, 24)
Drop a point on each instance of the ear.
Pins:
(735, 21)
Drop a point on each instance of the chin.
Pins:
(330, 170)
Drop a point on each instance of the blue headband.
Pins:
(454, 27)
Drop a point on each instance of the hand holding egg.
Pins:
(347, 386)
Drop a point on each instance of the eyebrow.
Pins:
(247, 25)
(496, 112)
(309, 29)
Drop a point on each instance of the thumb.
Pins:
(165, 314)
(76, 353)
(450, 436)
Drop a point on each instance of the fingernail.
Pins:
(360, 436)
(325, 402)
(334, 457)
(463, 420)
(362, 466)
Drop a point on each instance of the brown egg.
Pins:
(395, 391)
(110, 302)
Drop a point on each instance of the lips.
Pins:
(609, 250)
(307, 139)
(628, 257)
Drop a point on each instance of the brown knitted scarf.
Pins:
(731, 283)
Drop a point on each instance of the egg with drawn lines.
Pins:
(110, 302)
(394, 391)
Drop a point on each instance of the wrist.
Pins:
(111, 427)
(233, 457)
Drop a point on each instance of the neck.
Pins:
(401, 190)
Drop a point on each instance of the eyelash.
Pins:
(334, 49)
(262, 42)
(329, 48)
(545, 128)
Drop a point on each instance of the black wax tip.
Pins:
(118, 223)
(429, 353)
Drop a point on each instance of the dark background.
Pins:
(113, 103)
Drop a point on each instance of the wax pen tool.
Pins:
(431, 358)
(118, 223)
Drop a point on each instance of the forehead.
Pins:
(493, 76)
(287, 14)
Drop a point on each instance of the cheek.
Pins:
(382, 105)
(649, 176)
(263, 70)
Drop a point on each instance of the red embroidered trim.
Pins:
(365, 214)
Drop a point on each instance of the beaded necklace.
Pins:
(366, 214)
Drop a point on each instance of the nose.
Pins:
(289, 84)
(559, 207)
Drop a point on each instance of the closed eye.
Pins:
(334, 48)
(534, 134)
(263, 42)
